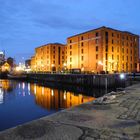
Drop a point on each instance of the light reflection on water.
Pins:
(24, 102)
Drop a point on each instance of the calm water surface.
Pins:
(22, 102)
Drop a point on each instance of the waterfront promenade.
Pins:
(117, 121)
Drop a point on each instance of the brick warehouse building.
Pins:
(101, 49)
(48, 57)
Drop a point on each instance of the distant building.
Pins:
(28, 63)
(103, 49)
(50, 57)
(6, 67)
(33, 64)
(2, 58)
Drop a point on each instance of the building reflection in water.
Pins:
(5, 85)
(57, 99)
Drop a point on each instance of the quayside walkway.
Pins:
(119, 120)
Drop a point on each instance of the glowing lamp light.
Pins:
(52, 65)
(65, 64)
(122, 76)
(100, 63)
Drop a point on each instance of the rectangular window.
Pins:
(122, 50)
(70, 46)
(112, 49)
(112, 41)
(112, 34)
(96, 48)
(112, 57)
(106, 56)
(82, 51)
(96, 56)
(106, 48)
(127, 58)
(82, 38)
(97, 34)
(70, 59)
(70, 41)
(127, 50)
(82, 44)
(123, 57)
(118, 49)
(82, 58)
(70, 52)
(118, 57)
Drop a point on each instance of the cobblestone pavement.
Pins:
(118, 121)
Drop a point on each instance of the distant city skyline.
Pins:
(26, 25)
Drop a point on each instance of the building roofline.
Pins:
(103, 27)
(50, 44)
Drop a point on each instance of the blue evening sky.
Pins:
(27, 24)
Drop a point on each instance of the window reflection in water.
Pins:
(56, 99)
